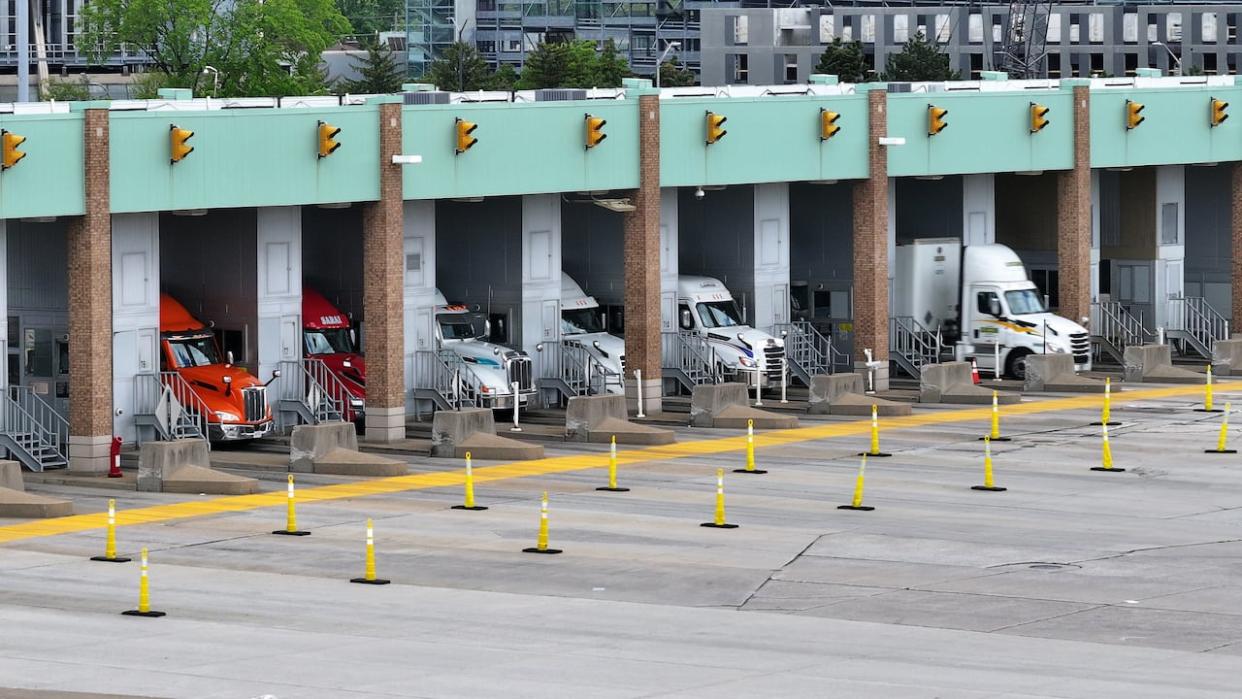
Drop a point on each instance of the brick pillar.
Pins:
(90, 308)
(871, 246)
(383, 258)
(1235, 264)
(642, 264)
(1074, 218)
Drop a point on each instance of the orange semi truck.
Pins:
(235, 401)
(329, 337)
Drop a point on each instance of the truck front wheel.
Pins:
(1015, 364)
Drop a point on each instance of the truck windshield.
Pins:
(194, 351)
(460, 326)
(1024, 301)
(581, 320)
(332, 341)
(719, 314)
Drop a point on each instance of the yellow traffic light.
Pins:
(1134, 115)
(11, 154)
(178, 142)
(1218, 111)
(464, 140)
(828, 124)
(327, 136)
(594, 130)
(935, 119)
(1039, 117)
(714, 124)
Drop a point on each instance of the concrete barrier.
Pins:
(184, 466)
(16, 502)
(1154, 364)
(1055, 373)
(727, 405)
(844, 394)
(950, 382)
(1227, 357)
(600, 418)
(455, 432)
(331, 448)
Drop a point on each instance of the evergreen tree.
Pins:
(378, 73)
(919, 60)
(572, 64)
(610, 66)
(844, 60)
(459, 69)
(504, 77)
(674, 74)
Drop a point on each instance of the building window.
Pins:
(1129, 28)
(901, 28)
(1131, 63)
(868, 29)
(1095, 27)
(1074, 34)
(974, 29)
(1209, 63)
(1208, 24)
(976, 66)
(1169, 232)
(944, 30)
(827, 28)
(1054, 29)
(1173, 28)
(741, 68)
(741, 30)
(791, 68)
(1097, 64)
(1054, 65)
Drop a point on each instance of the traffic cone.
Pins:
(291, 515)
(875, 435)
(988, 483)
(719, 521)
(612, 469)
(750, 451)
(368, 577)
(110, 544)
(856, 503)
(1106, 411)
(995, 434)
(469, 500)
(1107, 462)
(974, 371)
(144, 593)
(1207, 394)
(1224, 433)
(541, 544)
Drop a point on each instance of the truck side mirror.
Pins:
(686, 320)
(228, 357)
(994, 307)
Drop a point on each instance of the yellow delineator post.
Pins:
(110, 547)
(541, 544)
(1106, 412)
(1107, 463)
(995, 434)
(875, 435)
(750, 451)
(144, 593)
(612, 469)
(291, 515)
(856, 503)
(1207, 394)
(368, 577)
(469, 502)
(1224, 434)
(718, 522)
(988, 483)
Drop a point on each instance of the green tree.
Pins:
(567, 64)
(378, 73)
(459, 69)
(610, 66)
(844, 60)
(258, 47)
(504, 77)
(919, 60)
(369, 17)
(674, 74)
(67, 90)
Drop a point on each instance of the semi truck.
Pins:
(463, 334)
(235, 401)
(328, 336)
(706, 308)
(583, 322)
(983, 305)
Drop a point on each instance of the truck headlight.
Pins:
(747, 362)
(226, 417)
(1058, 349)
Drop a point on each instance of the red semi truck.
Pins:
(328, 336)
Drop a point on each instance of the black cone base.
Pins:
(117, 559)
(613, 490)
(1220, 451)
(1110, 423)
(753, 470)
(713, 525)
(286, 532)
(996, 439)
(472, 508)
(1108, 470)
(364, 581)
(1205, 410)
(135, 612)
(539, 550)
(873, 453)
(989, 488)
(859, 508)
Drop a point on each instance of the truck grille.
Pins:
(521, 373)
(1080, 345)
(773, 360)
(255, 400)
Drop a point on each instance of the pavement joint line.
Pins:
(561, 464)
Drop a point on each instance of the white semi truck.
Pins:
(707, 309)
(980, 300)
(496, 367)
(582, 323)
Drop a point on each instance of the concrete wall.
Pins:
(479, 256)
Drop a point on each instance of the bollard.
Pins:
(996, 366)
(856, 503)
(875, 435)
(638, 392)
(291, 515)
(144, 593)
(1107, 462)
(758, 389)
(718, 522)
(612, 469)
(784, 380)
(988, 483)
(1106, 412)
(1224, 434)
(110, 544)
(1207, 395)
(750, 451)
(516, 399)
(368, 577)
(469, 501)
(541, 544)
(995, 434)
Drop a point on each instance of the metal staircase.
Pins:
(166, 404)
(911, 345)
(1194, 322)
(444, 379)
(1114, 328)
(808, 351)
(689, 360)
(32, 431)
(307, 392)
(570, 369)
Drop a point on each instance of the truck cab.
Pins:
(706, 308)
(583, 323)
(235, 401)
(328, 335)
(495, 368)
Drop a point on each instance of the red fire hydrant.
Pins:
(114, 470)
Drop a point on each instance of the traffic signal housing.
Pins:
(594, 130)
(10, 143)
(1134, 114)
(935, 119)
(179, 143)
(464, 140)
(327, 139)
(1039, 117)
(828, 124)
(1218, 111)
(714, 124)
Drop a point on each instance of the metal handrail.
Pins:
(691, 354)
(1113, 322)
(908, 338)
(310, 382)
(51, 426)
(571, 362)
(170, 396)
(1196, 317)
(808, 347)
(447, 375)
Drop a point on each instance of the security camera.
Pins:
(699, 193)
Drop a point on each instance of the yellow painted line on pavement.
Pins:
(564, 464)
